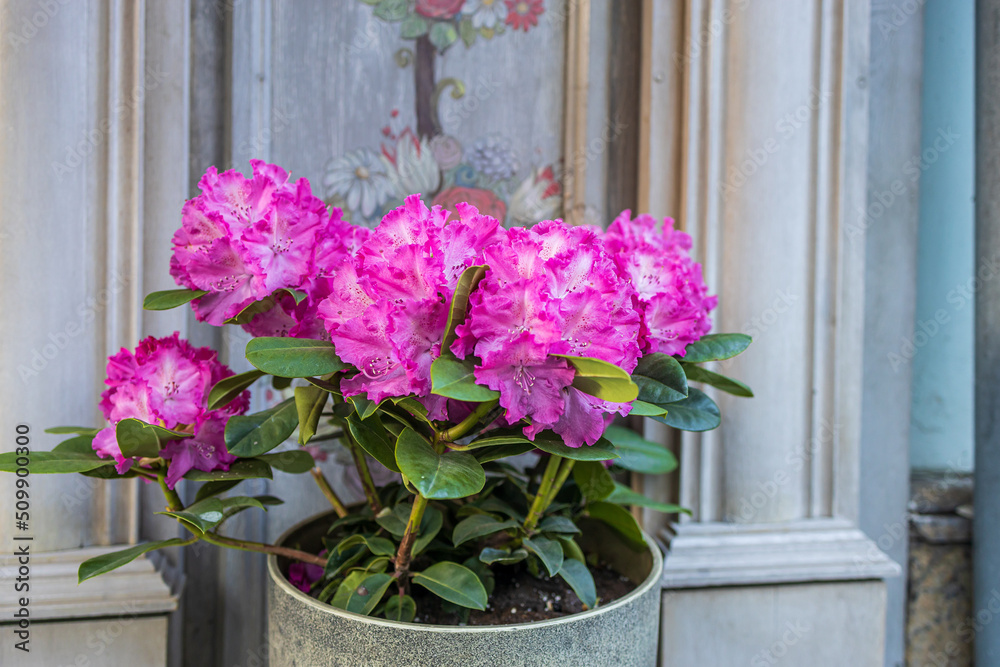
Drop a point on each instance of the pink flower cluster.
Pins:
(550, 290)
(673, 299)
(244, 238)
(388, 307)
(166, 382)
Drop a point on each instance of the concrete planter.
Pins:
(302, 632)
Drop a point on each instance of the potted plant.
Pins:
(472, 371)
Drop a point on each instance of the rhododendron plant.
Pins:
(476, 371)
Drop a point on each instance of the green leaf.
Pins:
(622, 495)
(81, 444)
(374, 439)
(638, 454)
(660, 378)
(394, 519)
(210, 489)
(548, 551)
(226, 389)
(309, 404)
(443, 35)
(168, 299)
(391, 10)
(294, 357)
(571, 549)
(580, 580)
(363, 406)
(479, 525)
(459, 308)
(430, 526)
(490, 555)
(715, 347)
(437, 476)
(379, 546)
(717, 380)
(104, 563)
(280, 383)
(483, 572)
(81, 430)
(558, 524)
(550, 442)
(487, 454)
(242, 469)
(137, 438)
(620, 520)
(467, 31)
(413, 26)
(697, 412)
(293, 461)
(495, 440)
(594, 480)
(454, 583)
(402, 609)
(259, 433)
(200, 517)
(456, 379)
(339, 561)
(347, 588)
(44, 463)
(644, 409)
(601, 379)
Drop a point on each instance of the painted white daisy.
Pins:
(359, 178)
(486, 13)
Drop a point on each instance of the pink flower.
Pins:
(166, 382)
(522, 14)
(485, 201)
(439, 9)
(243, 238)
(304, 575)
(672, 297)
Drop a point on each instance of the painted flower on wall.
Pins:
(494, 157)
(360, 180)
(447, 151)
(538, 197)
(486, 13)
(411, 166)
(523, 14)
(486, 201)
(438, 9)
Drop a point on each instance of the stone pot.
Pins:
(303, 632)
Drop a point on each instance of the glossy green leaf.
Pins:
(294, 357)
(495, 440)
(487, 454)
(638, 454)
(467, 284)
(259, 433)
(202, 516)
(576, 574)
(550, 442)
(717, 380)
(644, 409)
(400, 608)
(571, 549)
(715, 347)
(430, 526)
(242, 469)
(44, 463)
(558, 524)
(226, 389)
(81, 444)
(172, 298)
(394, 519)
(80, 430)
(437, 476)
(379, 546)
(548, 551)
(490, 555)
(363, 406)
(593, 479)
(210, 489)
(347, 588)
(697, 412)
(137, 438)
(338, 561)
(455, 378)
(620, 520)
(374, 439)
(622, 495)
(293, 461)
(104, 563)
(660, 378)
(454, 583)
(601, 379)
(309, 404)
(479, 525)
(328, 387)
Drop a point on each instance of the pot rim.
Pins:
(652, 580)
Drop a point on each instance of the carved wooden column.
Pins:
(757, 142)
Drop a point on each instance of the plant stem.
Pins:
(174, 503)
(246, 545)
(464, 426)
(324, 486)
(564, 471)
(404, 554)
(539, 504)
(367, 483)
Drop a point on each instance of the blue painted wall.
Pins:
(941, 348)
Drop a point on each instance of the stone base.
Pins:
(110, 642)
(820, 625)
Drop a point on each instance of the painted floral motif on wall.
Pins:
(486, 171)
